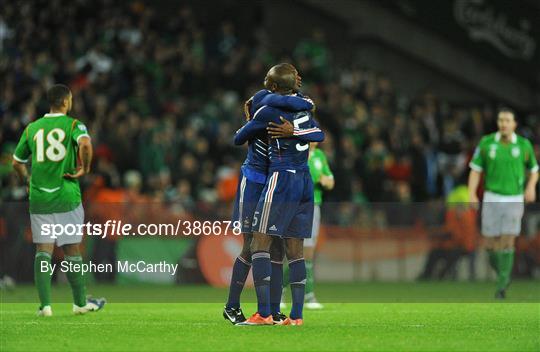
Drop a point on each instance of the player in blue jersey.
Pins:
(251, 183)
(285, 208)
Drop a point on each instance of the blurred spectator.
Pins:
(458, 238)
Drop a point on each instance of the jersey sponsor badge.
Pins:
(82, 128)
(492, 151)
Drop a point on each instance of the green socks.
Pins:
(493, 260)
(309, 277)
(505, 262)
(42, 277)
(502, 262)
(76, 280)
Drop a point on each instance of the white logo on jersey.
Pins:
(515, 152)
(273, 228)
(82, 128)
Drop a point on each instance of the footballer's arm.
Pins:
(21, 170)
(288, 102)
(249, 131)
(473, 183)
(255, 126)
(85, 156)
(530, 189)
(287, 130)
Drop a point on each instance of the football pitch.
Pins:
(370, 320)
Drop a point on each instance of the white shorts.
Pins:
(501, 215)
(67, 229)
(312, 241)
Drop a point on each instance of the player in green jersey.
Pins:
(323, 179)
(53, 143)
(503, 157)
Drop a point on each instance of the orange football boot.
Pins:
(257, 319)
(290, 321)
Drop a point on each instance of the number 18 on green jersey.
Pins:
(51, 143)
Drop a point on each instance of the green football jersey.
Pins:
(504, 164)
(52, 144)
(318, 166)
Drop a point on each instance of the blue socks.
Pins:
(262, 270)
(276, 285)
(239, 275)
(297, 279)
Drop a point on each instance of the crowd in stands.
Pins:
(162, 91)
(162, 94)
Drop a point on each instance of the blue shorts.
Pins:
(285, 208)
(247, 197)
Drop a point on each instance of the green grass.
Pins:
(412, 326)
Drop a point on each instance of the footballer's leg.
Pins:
(81, 303)
(270, 218)
(241, 267)
(299, 229)
(72, 255)
(297, 277)
(277, 253)
(491, 247)
(492, 224)
(310, 245)
(262, 271)
(505, 262)
(510, 229)
(509, 215)
(42, 261)
(75, 277)
(42, 277)
(247, 199)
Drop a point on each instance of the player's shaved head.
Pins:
(282, 78)
(57, 96)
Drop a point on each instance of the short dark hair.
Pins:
(56, 95)
(506, 109)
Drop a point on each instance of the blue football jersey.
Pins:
(292, 153)
(255, 167)
(284, 153)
